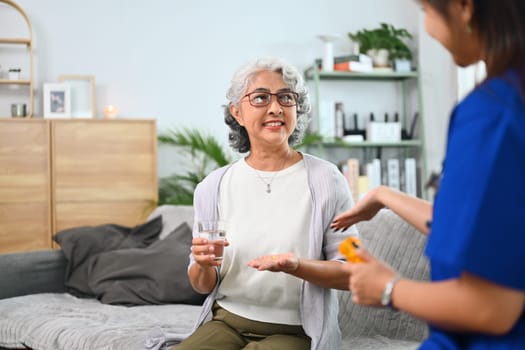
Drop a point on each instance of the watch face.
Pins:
(385, 298)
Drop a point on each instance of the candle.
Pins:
(110, 112)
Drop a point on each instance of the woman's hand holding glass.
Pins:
(208, 248)
(204, 252)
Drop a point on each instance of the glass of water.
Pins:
(215, 232)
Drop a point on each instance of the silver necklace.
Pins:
(269, 183)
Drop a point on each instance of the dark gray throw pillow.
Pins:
(153, 275)
(80, 244)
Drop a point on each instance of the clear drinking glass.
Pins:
(215, 232)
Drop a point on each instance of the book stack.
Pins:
(392, 175)
(354, 63)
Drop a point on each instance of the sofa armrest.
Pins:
(25, 273)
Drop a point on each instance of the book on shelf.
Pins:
(331, 119)
(338, 59)
(362, 185)
(373, 171)
(351, 172)
(354, 63)
(410, 177)
(339, 115)
(352, 66)
(327, 119)
(392, 170)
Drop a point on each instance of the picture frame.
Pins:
(57, 100)
(82, 92)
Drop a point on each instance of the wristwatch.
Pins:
(386, 298)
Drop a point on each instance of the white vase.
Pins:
(379, 57)
(328, 51)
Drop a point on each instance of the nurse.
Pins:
(476, 225)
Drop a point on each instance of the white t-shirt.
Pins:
(261, 223)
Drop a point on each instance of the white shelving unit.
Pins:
(413, 148)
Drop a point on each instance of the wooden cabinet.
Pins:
(25, 185)
(58, 174)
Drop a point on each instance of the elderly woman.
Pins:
(272, 290)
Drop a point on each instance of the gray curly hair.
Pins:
(238, 137)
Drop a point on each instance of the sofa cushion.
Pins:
(172, 217)
(397, 243)
(378, 342)
(79, 244)
(64, 322)
(153, 275)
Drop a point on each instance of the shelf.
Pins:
(405, 143)
(16, 41)
(336, 75)
(337, 150)
(25, 40)
(15, 82)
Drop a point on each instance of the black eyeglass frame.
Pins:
(276, 94)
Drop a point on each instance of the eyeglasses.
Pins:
(262, 99)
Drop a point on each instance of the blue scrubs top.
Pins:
(478, 223)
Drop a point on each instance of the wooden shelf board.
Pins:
(404, 143)
(15, 82)
(335, 75)
(22, 41)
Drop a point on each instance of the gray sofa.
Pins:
(37, 313)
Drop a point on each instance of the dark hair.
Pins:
(501, 26)
(238, 136)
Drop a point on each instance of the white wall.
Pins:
(438, 78)
(172, 60)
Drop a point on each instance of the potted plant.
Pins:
(384, 44)
(205, 153)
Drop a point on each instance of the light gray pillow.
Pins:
(172, 217)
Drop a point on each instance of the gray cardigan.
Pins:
(330, 196)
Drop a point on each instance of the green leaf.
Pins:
(386, 36)
(310, 138)
(205, 154)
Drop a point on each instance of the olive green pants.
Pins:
(227, 331)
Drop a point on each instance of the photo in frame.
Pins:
(82, 92)
(57, 101)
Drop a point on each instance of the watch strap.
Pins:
(386, 298)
